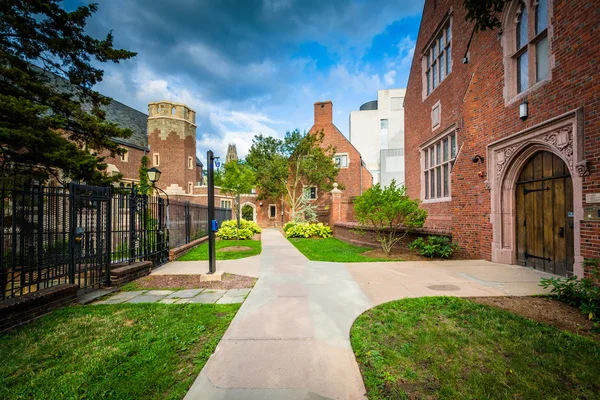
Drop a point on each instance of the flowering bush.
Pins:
(244, 224)
(305, 230)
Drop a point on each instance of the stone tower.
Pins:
(172, 141)
(231, 153)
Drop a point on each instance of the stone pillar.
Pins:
(335, 211)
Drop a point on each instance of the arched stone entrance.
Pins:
(544, 215)
(246, 214)
(562, 137)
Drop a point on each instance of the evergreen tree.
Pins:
(145, 186)
(52, 122)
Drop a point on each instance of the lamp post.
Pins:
(153, 177)
(212, 228)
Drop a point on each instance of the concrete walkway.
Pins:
(290, 338)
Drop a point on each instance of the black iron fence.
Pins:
(55, 235)
(189, 221)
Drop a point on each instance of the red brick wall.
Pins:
(473, 92)
(349, 177)
(131, 168)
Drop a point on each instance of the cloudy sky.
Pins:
(256, 66)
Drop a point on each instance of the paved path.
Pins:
(249, 266)
(179, 296)
(290, 338)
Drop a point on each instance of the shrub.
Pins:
(306, 230)
(289, 225)
(435, 247)
(229, 233)
(583, 293)
(244, 224)
(389, 212)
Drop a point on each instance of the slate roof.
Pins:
(116, 112)
(199, 163)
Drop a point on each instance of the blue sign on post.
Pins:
(214, 225)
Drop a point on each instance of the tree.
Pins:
(284, 166)
(238, 179)
(484, 13)
(144, 187)
(51, 121)
(389, 212)
(307, 210)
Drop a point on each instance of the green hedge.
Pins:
(229, 231)
(306, 230)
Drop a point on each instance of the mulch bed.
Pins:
(234, 248)
(230, 281)
(546, 310)
(402, 254)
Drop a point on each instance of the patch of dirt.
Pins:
(230, 281)
(546, 310)
(234, 248)
(402, 254)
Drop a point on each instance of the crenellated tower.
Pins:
(172, 141)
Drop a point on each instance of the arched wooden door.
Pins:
(545, 239)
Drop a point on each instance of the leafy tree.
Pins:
(484, 13)
(145, 187)
(218, 176)
(307, 210)
(238, 179)
(284, 166)
(389, 212)
(51, 121)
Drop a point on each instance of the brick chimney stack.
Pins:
(323, 112)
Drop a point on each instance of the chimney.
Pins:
(323, 112)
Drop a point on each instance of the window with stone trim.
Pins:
(225, 203)
(156, 159)
(190, 163)
(125, 157)
(341, 160)
(190, 187)
(438, 58)
(272, 211)
(439, 157)
(526, 40)
(436, 115)
(311, 191)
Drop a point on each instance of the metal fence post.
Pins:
(72, 234)
(107, 282)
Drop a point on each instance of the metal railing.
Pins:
(51, 235)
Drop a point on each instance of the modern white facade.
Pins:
(377, 131)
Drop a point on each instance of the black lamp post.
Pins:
(153, 177)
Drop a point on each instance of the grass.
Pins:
(332, 249)
(122, 351)
(201, 252)
(451, 348)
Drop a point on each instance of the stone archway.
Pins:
(251, 205)
(562, 136)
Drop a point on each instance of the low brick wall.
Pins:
(120, 274)
(177, 252)
(20, 310)
(352, 233)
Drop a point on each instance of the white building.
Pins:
(377, 131)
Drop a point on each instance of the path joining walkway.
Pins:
(291, 337)
(206, 296)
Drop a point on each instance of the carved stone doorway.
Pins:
(563, 138)
(544, 201)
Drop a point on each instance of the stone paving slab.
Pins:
(205, 297)
(168, 301)
(237, 292)
(145, 299)
(231, 300)
(158, 292)
(184, 294)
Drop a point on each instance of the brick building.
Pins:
(509, 161)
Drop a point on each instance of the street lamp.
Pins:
(154, 176)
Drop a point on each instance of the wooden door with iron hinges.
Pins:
(545, 239)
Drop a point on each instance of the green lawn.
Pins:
(201, 252)
(123, 351)
(332, 249)
(451, 348)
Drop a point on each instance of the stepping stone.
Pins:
(123, 296)
(208, 297)
(145, 299)
(231, 300)
(184, 294)
(237, 292)
(168, 301)
(159, 292)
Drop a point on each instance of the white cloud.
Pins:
(390, 78)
